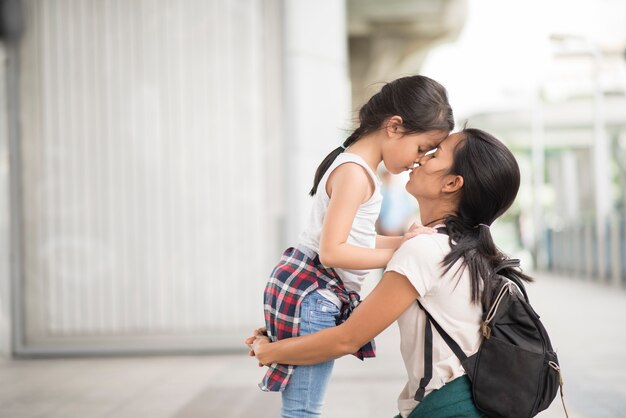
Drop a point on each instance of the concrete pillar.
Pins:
(5, 269)
(571, 198)
(538, 164)
(316, 96)
(616, 261)
(602, 163)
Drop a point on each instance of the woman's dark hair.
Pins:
(491, 180)
(421, 102)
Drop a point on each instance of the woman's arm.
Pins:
(391, 297)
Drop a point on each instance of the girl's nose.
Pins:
(427, 156)
(424, 158)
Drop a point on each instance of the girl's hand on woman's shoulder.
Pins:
(415, 230)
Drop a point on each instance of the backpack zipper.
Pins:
(484, 327)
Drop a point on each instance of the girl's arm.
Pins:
(348, 187)
(391, 297)
(384, 241)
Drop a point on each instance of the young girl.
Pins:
(315, 285)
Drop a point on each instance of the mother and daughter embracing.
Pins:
(463, 182)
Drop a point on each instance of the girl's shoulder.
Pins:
(353, 174)
(345, 158)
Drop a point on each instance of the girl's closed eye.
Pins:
(425, 151)
(427, 156)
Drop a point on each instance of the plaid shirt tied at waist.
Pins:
(295, 276)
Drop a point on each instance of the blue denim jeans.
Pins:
(304, 395)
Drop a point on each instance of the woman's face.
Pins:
(429, 179)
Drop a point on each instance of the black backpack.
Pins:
(515, 372)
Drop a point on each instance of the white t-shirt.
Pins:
(447, 298)
(363, 230)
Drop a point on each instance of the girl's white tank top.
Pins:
(363, 231)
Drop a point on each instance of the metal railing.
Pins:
(574, 250)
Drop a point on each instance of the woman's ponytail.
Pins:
(475, 245)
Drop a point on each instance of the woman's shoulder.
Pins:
(428, 244)
(419, 260)
(423, 249)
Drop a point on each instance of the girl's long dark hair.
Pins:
(491, 181)
(421, 102)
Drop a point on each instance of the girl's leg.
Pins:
(304, 395)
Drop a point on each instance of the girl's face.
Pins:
(433, 173)
(401, 153)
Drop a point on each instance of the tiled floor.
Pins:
(584, 320)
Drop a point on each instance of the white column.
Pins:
(538, 164)
(570, 185)
(317, 98)
(601, 160)
(5, 270)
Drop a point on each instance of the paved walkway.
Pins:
(585, 321)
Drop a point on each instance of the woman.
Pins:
(461, 189)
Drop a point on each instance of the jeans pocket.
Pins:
(325, 306)
(323, 314)
(321, 320)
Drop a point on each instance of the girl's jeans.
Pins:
(304, 395)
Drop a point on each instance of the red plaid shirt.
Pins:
(295, 276)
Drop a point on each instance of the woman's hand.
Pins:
(256, 349)
(258, 338)
(415, 230)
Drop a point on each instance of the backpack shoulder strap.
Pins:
(449, 341)
(428, 361)
(428, 351)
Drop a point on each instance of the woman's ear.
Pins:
(453, 183)
(394, 126)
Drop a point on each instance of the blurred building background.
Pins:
(155, 156)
